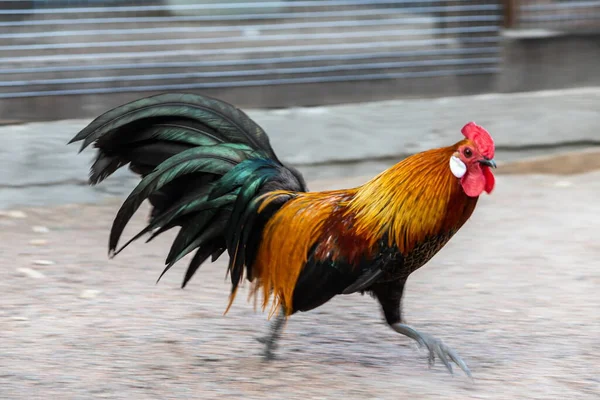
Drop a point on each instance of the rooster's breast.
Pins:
(405, 264)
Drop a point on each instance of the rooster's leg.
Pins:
(390, 297)
(270, 341)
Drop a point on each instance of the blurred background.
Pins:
(74, 58)
(345, 88)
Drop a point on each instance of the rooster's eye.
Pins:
(468, 153)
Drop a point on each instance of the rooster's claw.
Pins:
(435, 347)
(443, 352)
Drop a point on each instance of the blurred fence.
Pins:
(79, 47)
(58, 47)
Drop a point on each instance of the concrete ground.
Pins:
(515, 293)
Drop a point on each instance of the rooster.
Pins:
(209, 169)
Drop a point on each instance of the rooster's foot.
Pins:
(435, 347)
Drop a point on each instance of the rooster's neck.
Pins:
(415, 199)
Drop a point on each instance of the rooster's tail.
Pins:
(204, 165)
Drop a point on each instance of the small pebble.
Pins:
(563, 184)
(313, 110)
(13, 214)
(20, 319)
(38, 242)
(40, 229)
(31, 273)
(43, 262)
(89, 294)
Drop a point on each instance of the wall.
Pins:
(540, 60)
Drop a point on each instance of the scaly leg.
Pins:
(270, 341)
(390, 296)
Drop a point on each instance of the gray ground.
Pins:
(515, 293)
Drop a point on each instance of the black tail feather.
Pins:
(204, 164)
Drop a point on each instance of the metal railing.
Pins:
(57, 47)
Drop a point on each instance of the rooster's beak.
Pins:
(488, 162)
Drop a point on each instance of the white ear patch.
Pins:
(458, 168)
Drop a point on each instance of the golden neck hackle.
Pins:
(415, 199)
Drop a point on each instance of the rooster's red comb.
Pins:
(482, 139)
